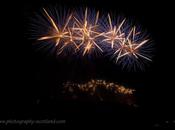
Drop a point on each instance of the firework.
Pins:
(84, 34)
(128, 46)
(59, 33)
(132, 48)
(87, 32)
(114, 34)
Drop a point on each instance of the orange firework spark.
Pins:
(87, 33)
(58, 33)
(114, 34)
(128, 46)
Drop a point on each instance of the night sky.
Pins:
(33, 91)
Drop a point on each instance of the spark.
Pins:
(86, 33)
(51, 20)
(130, 47)
(68, 41)
(58, 33)
(114, 34)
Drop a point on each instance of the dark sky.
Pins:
(36, 76)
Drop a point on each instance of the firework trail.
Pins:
(84, 34)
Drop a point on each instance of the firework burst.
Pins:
(59, 34)
(128, 46)
(132, 48)
(87, 32)
(114, 34)
(84, 34)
